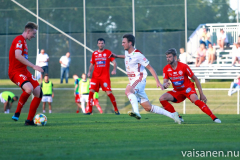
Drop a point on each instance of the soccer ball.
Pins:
(40, 119)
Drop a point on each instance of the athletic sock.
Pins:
(90, 102)
(167, 106)
(205, 108)
(133, 100)
(83, 107)
(112, 98)
(22, 100)
(33, 107)
(98, 106)
(159, 110)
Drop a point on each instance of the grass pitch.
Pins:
(108, 136)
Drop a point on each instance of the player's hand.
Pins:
(89, 74)
(37, 68)
(159, 85)
(203, 98)
(113, 55)
(166, 85)
(113, 72)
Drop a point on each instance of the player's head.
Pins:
(75, 77)
(171, 55)
(30, 30)
(15, 98)
(101, 43)
(42, 51)
(209, 45)
(68, 54)
(84, 77)
(221, 30)
(46, 77)
(128, 41)
(202, 46)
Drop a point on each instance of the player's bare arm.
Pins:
(90, 69)
(75, 89)
(18, 55)
(117, 56)
(198, 84)
(154, 74)
(114, 71)
(166, 83)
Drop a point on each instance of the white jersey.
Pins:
(135, 64)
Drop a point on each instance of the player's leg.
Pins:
(94, 87)
(203, 107)
(50, 107)
(83, 102)
(27, 90)
(96, 103)
(113, 100)
(158, 110)
(43, 106)
(232, 91)
(129, 91)
(66, 74)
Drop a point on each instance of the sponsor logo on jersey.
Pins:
(105, 84)
(180, 87)
(25, 56)
(174, 72)
(188, 71)
(19, 45)
(177, 78)
(104, 54)
(169, 70)
(178, 83)
(100, 59)
(100, 55)
(100, 62)
(188, 90)
(180, 72)
(126, 62)
(95, 52)
(144, 59)
(130, 59)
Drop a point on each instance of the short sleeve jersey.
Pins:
(135, 64)
(101, 62)
(42, 58)
(179, 76)
(19, 43)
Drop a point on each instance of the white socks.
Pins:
(83, 106)
(50, 111)
(133, 100)
(159, 110)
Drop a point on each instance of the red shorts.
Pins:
(182, 95)
(21, 78)
(77, 98)
(105, 84)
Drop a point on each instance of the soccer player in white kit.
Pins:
(135, 63)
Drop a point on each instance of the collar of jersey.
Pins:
(133, 51)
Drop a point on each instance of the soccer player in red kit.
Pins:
(178, 74)
(101, 77)
(18, 73)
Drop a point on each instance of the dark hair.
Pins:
(16, 97)
(172, 51)
(100, 39)
(46, 75)
(221, 29)
(31, 25)
(130, 38)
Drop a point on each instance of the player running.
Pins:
(18, 73)
(178, 74)
(135, 63)
(100, 61)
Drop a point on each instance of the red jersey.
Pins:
(179, 76)
(101, 61)
(19, 43)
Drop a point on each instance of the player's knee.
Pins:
(162, 98)
(29, 90)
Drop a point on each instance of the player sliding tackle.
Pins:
(178, 74)
(135, 63)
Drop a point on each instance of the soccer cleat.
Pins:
(15, 117)
(29, 123)
(133, 114)
(117, 112)
(88, 113)
(176, 117)
(181, 119)
(77, 111)
(216, 120)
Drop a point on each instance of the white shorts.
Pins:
(47, 99)
(84, 98)
(1, 99)
(140, 91)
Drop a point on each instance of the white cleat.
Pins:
(176, 117)
(229, 93)
(217, 120)
(133, 114)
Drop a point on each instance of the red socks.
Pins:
(96, 103)
(90, 102)
(33, 108)
(167, 106)
(205, 108)
(112, 98)
(22, 100)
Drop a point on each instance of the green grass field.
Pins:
(108, 136)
